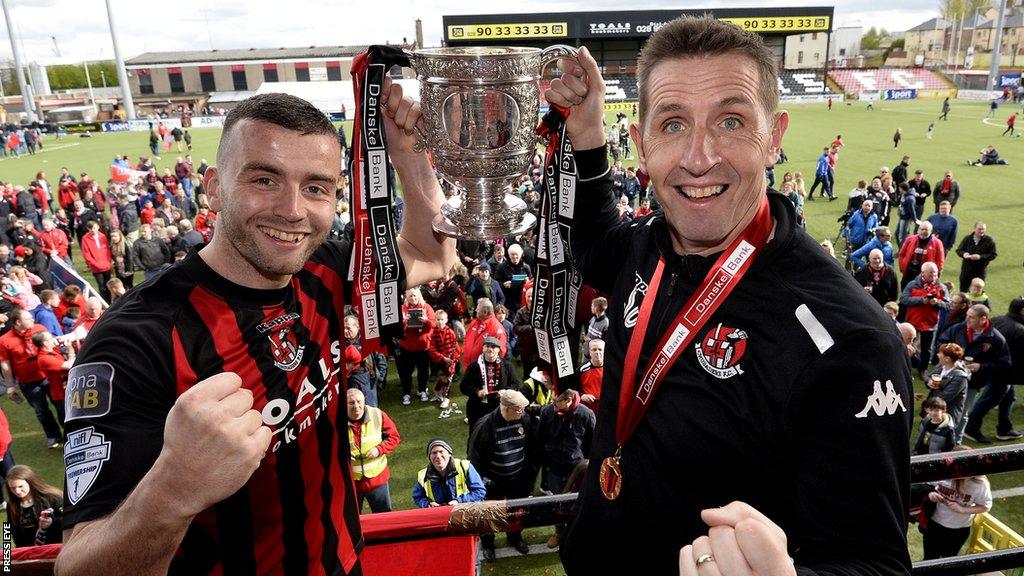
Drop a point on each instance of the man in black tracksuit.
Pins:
(806, 418)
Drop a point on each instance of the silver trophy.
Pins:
(480, 107)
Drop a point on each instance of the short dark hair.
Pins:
(282, 110)
(934, 402)
(688, 36)
(1016, 305)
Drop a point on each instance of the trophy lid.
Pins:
(472, 52)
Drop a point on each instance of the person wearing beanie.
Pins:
(356, 375)
(485, 378)
(505, 448)
(371, 436)
(565, 430)
(446, 481)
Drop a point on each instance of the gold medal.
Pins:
(611, 477)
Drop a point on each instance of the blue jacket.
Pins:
(45, 317)
(443, 489)
(945, 229)
(908, 206)
(822, 169)
(857, 227)
(860, 253)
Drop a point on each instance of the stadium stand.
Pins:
(621, 87)
(854, 81)
(801, 83)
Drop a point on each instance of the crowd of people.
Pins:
(471, 330)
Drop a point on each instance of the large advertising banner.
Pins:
(465, 29)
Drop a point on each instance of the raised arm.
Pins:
(427, 255)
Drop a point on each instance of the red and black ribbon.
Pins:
(376, 270)
(558, 282)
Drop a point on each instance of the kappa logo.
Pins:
(632, 310)
(720, 351)
(284, 343)
(84, 455)
(882, 403)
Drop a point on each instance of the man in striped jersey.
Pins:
(208, 433)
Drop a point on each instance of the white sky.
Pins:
(81, 31)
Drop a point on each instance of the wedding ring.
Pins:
(705, 558)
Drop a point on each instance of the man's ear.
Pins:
(779, 125)
(211, 183)
(636, 134)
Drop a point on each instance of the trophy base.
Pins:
(509, 220)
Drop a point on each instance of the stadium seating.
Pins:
(801, 82)
(621, 87)
(870, 80)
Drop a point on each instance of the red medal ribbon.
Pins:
(726, 273)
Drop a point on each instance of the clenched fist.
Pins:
(213, 442)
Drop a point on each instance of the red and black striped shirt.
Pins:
(298, 513)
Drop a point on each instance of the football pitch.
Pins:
(992, 194)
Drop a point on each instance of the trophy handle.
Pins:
(552, 53)
(421, 137)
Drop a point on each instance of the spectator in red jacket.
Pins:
(148, 213)
(55, 366)
(918, 249)
(444, 357)
(485, 324)
(67, 193)
(6, 457)
(96, 251)
(418, 321)
(923, 299)
(70, 298)
(591, 375)
(53, 240)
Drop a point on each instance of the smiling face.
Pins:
(439, 457)
(19, 488)
(275, 196)
(706, 141)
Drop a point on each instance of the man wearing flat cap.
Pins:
(505, 449)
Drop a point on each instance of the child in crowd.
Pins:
(598, 324)
(444, 358)
(501, 312)
(937, 432)
(956, 503)
(977, 294)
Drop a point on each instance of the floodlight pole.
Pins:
(26, 94)
(92, 95)
(122, 74)
(993, 70)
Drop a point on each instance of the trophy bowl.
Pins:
(480, 108)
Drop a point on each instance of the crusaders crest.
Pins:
(284, 344)
(720, 351)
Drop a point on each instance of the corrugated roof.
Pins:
(933, 24)
(233, 55)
